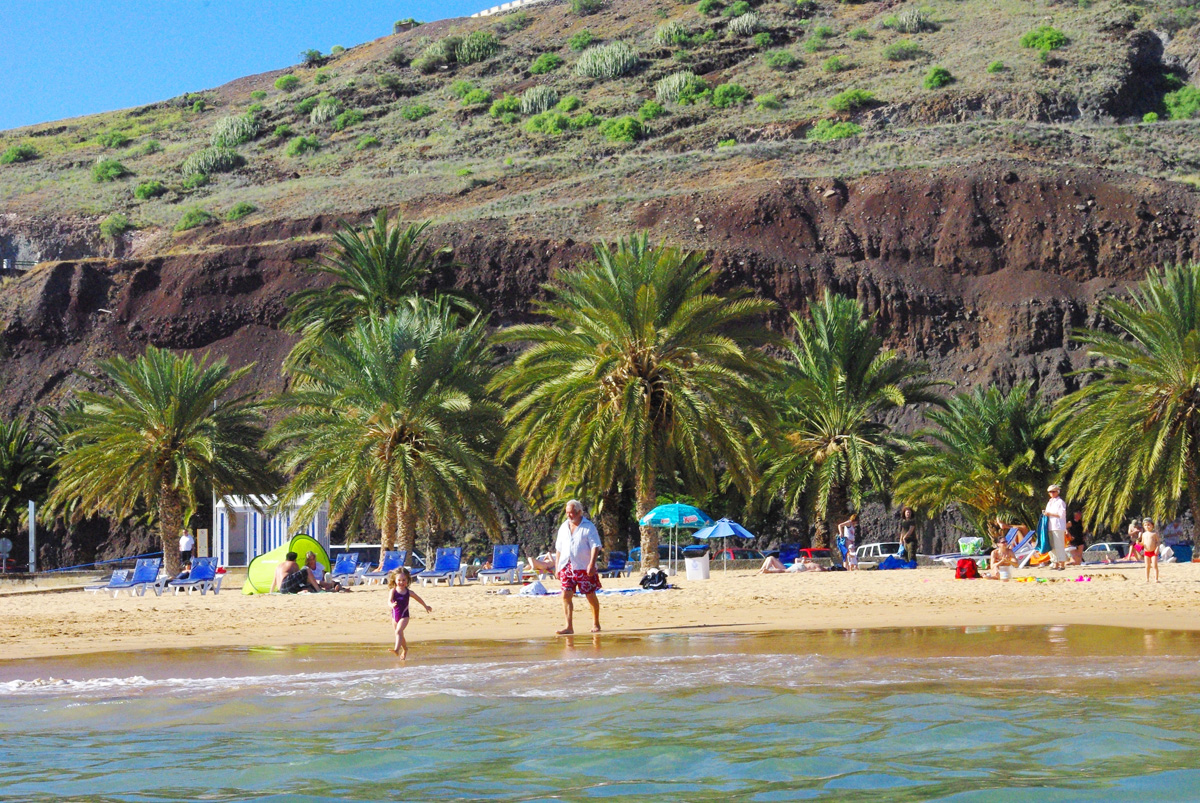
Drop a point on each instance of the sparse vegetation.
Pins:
(762, 40)
(826, 130)
(149, 189)
(547, 62)
(569, 104)
(211, 160)
(937, 77)
(768, 102)
(505, 105)
(913, 19)
(585, 7)
(996, 67)
(851, 100)
(1044, 38)
(650, 111)
(240, 210)
(352, 117)
(477, 46)
(858, 34)
(1183, 104)
(150, 146)
(1150, 117)
(326, 110)
(607, 61)
(258, 94)
(194, 217)
(18, 153)
(780, 60)
(323, 76)
(836, 64)
(738, 8)
(904, 50)
(581, 41)
(195, 181)
(304, 107)
(747, 24)
(415, 111)
(114, 226)
(680, 87)
(366, 141)
(709, 8)
(538, 99)
(727, 95)
(108, 170)
(622, 129)
(670, 33)
(282, 131)
(229, 132)
(390, 82)
(726, 143)
(298, 146)
(477, 97)
(286, 83)
(113, 139)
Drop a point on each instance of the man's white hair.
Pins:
(575, 503)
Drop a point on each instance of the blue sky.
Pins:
(65, 58)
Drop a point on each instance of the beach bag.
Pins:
(654, 580)
(894, 562)
(966, 570)
(534, 589)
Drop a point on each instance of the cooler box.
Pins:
(697, 568)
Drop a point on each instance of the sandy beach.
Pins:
(52, 624)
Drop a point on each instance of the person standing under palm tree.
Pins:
(575, 553)
(908, 534)
(1056, 515)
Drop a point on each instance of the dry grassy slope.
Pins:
(1057, 112)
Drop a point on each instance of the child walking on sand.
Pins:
(1150, 545)
(398, 582)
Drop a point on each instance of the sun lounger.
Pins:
(118, 579)
(617, 565)
(145, 575)
(446, 566)
(346, 569)
(202, 577)
(390, 562)
(504, 565)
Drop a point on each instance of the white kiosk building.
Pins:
(241, 533)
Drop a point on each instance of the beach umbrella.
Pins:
(673, 517)
(724, 529)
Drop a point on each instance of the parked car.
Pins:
(695, 550)
(1106, 552)
(814, 553)
(869, 555)
(737, 554)
(635, 554)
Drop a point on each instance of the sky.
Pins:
(65, 58)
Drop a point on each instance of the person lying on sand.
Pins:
(542, 564)
(772, 565)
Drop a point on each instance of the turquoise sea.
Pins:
(1034, 713)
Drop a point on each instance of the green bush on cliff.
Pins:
(299, 146)
(18, 153)
(286, 83)
(581, 41)
(195, 181)
(194, 216)
(114, 226)
(1044, 38)
(937, 78)
(505, 105)
(240, 210)
(108, 170)
(415, 111)
(1183, 104)
(851, 100)
(148, 190)
(545, 63)
(477, 46)
(113, 139)
(346, 119)
(622, 129)
(727, 95)
(826, 130)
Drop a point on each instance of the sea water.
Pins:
(1064, 713)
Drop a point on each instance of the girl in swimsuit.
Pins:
(399, 597)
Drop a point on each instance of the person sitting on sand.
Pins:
(1150, 544)
(1002, 562)
(317, 571)
(292, 578)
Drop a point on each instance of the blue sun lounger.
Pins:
(390, 562)
(118, 579)
(446, 566)
(201, 577)
(504, 565)
(617, 565)
(346, 569)
(145, 575)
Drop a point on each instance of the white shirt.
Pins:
(576, 547)
(1056, 511)
(186, 542)
(318, 571)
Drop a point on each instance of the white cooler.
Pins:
(697, 568)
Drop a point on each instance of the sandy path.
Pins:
(39, 625)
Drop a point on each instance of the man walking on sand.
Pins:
(1056, 521)
(575, 552)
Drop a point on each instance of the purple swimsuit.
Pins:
(400, 605)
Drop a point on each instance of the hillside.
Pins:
(979, 210)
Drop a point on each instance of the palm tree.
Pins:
(166, 426)
(641, 370)
(375, 271)
(989, 456)
(394, 416)
(835, 447)
(1131, 438)
(25, 459)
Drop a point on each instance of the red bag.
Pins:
(966, 570)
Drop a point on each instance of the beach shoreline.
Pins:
(56, 624)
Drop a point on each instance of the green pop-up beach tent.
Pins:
(261, 571)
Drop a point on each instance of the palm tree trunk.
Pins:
(170, 525)
(609, 519)
(408, 533)
(388, 528)
(1193, 482)
(835, 514)
(646, 500)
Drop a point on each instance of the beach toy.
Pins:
(1083, 578)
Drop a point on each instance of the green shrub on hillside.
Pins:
(211, 160)
(581, 41)
(768, 102)
(282, 131)
(505, 105)
(671, 32)
(779, 60)
(148, 147)
(323, 76)
(326, 110)
(114, 226)
(195, 181)
(286, 83)
(746, 25)
(240, 210)
(390, 82)
(336, 50)
(650, 111)
(858, 34)
(365, 142)
(904, 50)
(311, 57)
(299, 146)
(113, 139)
(194, 217)
(460, 88)
(18, 153)
(681, 87)
(1175, 20)
(517, 21)
(585, 120)
(826, 130)
(938, 77)
(836, 64)
(347, 119)
(199, 106)
(913, 19)
(737, 9)
(255, 109)
(727, 95)
(304, 107)
(108, 170)
(709, 7)
(569, 104)
(415, 111)
(538, 99)
(398, 58)
(851, 100)
(585, 7)
(762, 40)
(148, 190)
(229, 132)
(477, 97)
(622, 129)
(726, 143)
(607, 61)
(995, 67)
(477, 46)
(549, 123)
(1183, 104)
(1150, 117)
(1044, 38)
(258, 94)
(547, 62)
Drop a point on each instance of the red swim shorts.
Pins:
(578, 581)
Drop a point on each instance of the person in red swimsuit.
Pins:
(575, 553)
